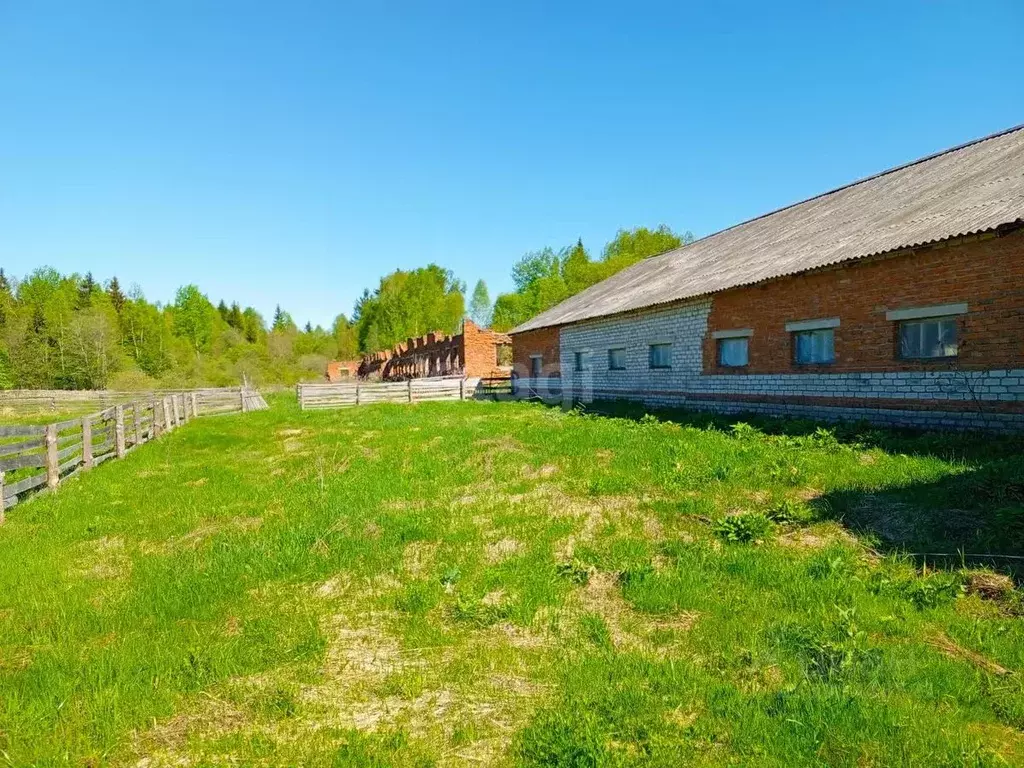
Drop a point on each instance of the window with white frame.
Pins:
(583, 360)
(927, 333)
(659, 356)
(734, 352)
(928, 338)
(617, 359)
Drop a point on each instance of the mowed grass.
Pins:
(499, 583)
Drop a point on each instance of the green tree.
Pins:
(345, 339)
(282, 320)
(480, 309)
(193, 318)
(235, 317)
(409, 304)
(117, 298)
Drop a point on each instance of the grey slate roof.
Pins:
(967, 189)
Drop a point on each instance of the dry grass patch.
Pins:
(418, 557)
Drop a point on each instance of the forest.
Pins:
(74, 332)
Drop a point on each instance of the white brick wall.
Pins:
(683, 326)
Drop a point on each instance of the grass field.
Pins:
(498, 583)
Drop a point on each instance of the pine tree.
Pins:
(117, 297)
(222, 310)
(85, 289)
(309, 327)
(235, 319)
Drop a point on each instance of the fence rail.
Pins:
(64, 448)
(30, 401)
(346, 394)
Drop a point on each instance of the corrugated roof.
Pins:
(971, 188)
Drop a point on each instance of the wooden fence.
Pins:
(346, 394)
(31, 401)
(64, 448)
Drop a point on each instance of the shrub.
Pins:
(744, 528)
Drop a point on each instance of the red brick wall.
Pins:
(986, 272)
(540, 342)
(480, 350)
(342, 370)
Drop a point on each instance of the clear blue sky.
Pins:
(294, 152)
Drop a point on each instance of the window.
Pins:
(583, 360)
(816, 346)
(616, 359)
(536, 361)
(660, 355)
(503, 355)
(732, 353)
(928, 338)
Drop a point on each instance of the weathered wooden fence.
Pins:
(346, 394)
(209, 399)
(64, 448)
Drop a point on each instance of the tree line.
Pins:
(72, 332)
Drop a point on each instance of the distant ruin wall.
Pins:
(473, 353)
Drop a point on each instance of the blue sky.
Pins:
(294, 152)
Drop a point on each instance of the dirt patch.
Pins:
(103, 558)
(418, 557)
(197, 483)
(947, 646)
(627, 628)
(501, 550)
(819, 537)
(538, 473)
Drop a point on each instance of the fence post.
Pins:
(357, 393)
(410, 390)
(86, 442)
(192, 399)
(177, 412)
(462, 389)
(52, 466)
(2, 502)
(166, 412)
(137, 418)
(241, 391)
(119, 430)
(154, 425)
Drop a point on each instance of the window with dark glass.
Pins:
(616, 359)
(733, 353)
(660, 356)
(928, 338)
(583, 360)
(814, 347)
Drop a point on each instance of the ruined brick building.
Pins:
(475, 352)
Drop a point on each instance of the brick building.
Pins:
(342, 370)
(898, 299)
(474, 353)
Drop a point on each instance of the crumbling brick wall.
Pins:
(472, 353)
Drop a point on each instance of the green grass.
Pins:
(498, 583)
